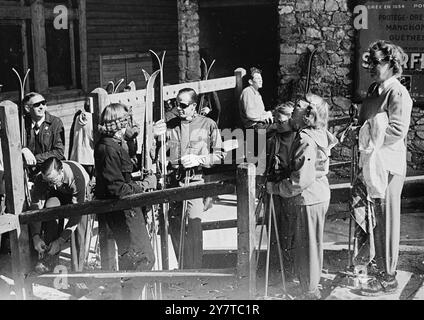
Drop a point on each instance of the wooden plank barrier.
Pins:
(136, 200)
(15, 200)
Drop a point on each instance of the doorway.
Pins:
(242, 36)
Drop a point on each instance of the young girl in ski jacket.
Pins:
(113, 181)
(307, 188)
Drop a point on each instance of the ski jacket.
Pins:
(308, 183)
(113, 171)
(200, 137)
(392, 98)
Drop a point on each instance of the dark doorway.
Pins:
(242, 36)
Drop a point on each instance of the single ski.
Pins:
(165, 207)
(308, 77)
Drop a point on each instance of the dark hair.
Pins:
(192, 92)
(393, 53)
(28, 97)
(252, 72)
(51, 164)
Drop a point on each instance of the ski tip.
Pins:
(118, 85)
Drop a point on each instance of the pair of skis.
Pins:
(206, 72)
(147, 161)
(206, 98)
(112, 88)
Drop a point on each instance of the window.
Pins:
(11, 56)
(29, 39)
(58, 56)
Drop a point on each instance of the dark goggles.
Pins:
(183, 105)
(377, 61)
(37, 104)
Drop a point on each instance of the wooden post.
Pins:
(239, 73)
(246, 226)
(82, 28)
(72, 47)
(15, 200)
(39, 46)
(108, 254)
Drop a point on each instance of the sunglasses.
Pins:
(37, 104)
(377, 61)
(183, 105)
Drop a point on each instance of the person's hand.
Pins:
(56, 246)
(269, 117)
(149, 182)
(270, 188)
(39, 244)
(190, 161)
(131, 132)
(29, 157)
(205, 111)
(159, 128)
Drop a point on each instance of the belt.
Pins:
(180, 173)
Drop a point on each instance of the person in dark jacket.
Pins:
(279, 143)
(45, 135)
(113, 181)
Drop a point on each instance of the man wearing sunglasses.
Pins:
(45, 135)
(194, 143)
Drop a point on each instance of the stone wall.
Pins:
(328, 27)
(416, 139)
(188, 34)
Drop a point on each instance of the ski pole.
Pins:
(268, 251)
(183, 225)
(280, 256)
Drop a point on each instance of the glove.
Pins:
(56, 246)
(190, 161)
(131, 133)
(39, 244)
(29, 157)
(159, 128)
(272, 188)
(149, 182)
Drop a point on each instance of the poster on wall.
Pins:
(401, 22)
